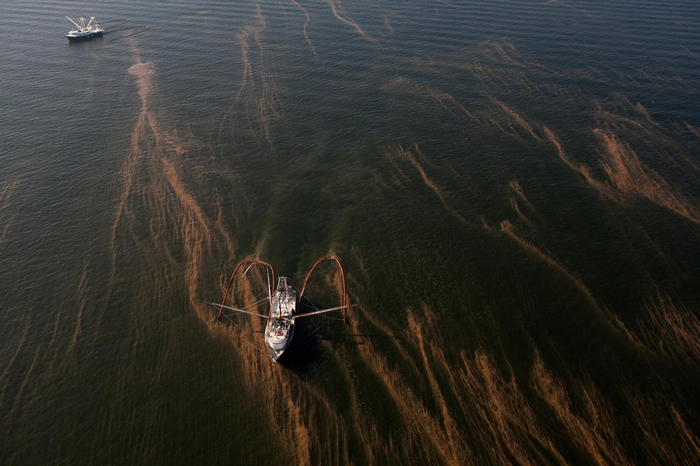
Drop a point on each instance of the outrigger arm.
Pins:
(220, 306)
(323, 310)
(76, 24)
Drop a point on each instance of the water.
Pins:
(512, 187)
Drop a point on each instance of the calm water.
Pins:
(512, 186)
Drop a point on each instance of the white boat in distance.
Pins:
(83, 31)
(281, 320)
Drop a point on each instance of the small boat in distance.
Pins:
(283, 308)
(83, 31)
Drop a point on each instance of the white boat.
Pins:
(281, 319)
(84, 31)
(280, 324)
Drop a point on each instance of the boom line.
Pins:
(230, 281)
(342, 273)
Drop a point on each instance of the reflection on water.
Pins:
(512, 190)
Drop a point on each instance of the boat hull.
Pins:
(84, 37)
(276, 349)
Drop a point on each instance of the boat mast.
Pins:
(88, 25)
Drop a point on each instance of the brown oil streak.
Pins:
(449, 426)
(423, 428)
(340, 14)
(516, 117)
(306, 23)
(593, 430)
(442, 97)
(508, 228)
(506, 423)
(581, 169)
(9, 365)
(506, 52)
(25, 381)
(515, 186)
(387, 23)
(259, 98)
(399, 151)
(516, 209)
(162, 153)
(572, 8)
(629, 175)
(665, 436)
(670, 330)
(5, 197)
(502, 420)
(692, 54)
(82, 301)
(693, 129)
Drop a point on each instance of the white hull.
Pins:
(279, 330)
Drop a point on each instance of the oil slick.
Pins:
(340, 14)
(474, 234)
(257, 97)
(5, 198)
(306, 23)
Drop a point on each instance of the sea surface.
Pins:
(511, 186)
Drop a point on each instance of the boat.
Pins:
(83, 31)
(284, 306)
(280, 323)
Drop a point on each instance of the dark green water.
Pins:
(513, 188)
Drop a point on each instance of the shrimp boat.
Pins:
(83, 31)
(284, 305)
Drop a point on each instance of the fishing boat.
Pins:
(84, 31)
(280, 324)
(284, 306)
